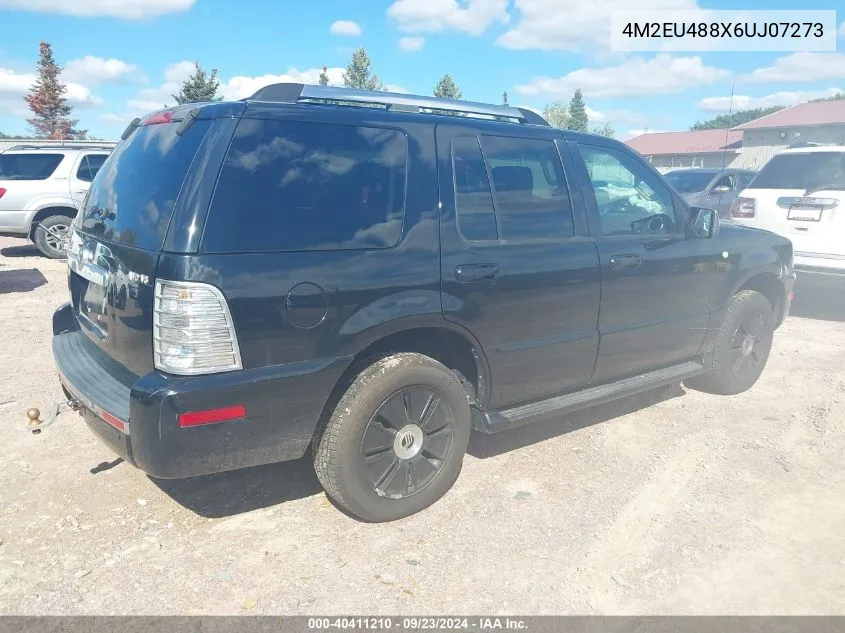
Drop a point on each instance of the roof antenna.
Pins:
(728, 129)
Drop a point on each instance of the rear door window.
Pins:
(473, 195)
(293, 186)
(133, 200)
(28, 166)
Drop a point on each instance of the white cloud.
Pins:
(241, 87)
(571, 25)
(633, 133)
(663, 74)
(345, 27)
(409, 44)
(150, 99)
(786, 98)
(14, 85)
(126, 9)
(801, 67)
(473, 17)
(90, 70)
(614, 116)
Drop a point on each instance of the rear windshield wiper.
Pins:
(133, 125)
(188, 121)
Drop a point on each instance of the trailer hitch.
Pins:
(36, 424)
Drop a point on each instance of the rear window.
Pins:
(289, 185)
(132, 199)
(816, 170)
(28, 166)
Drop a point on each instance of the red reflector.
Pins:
(117, 423)
(2, 191)
(196, 418)
(158, 118)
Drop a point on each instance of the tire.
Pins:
(48, 243)
(396, 439)
(742, 346)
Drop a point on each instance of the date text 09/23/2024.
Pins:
(417, 624)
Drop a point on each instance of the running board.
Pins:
(495, 421)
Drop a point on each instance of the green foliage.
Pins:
(837, 97)
(199, 87)
(359, 72)
(46, 100)
(732, 120)
(324, 76)
(578, 120)
(605, 130)
(446, 88)
(557, 114)
(505, 98)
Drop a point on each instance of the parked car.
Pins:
(361, 275)
(712, 188)
(42, 187)
(800, 194)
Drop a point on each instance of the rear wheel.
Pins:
(396, 440)
(51, 236)
(742, 346)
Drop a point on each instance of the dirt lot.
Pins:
(693, 505)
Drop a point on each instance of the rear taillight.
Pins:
(742, 208)
(2, 192)
(193, 332)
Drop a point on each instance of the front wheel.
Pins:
(396, 440)
(51, 236)
(742, 346)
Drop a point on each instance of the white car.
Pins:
(800, 194)
(41, 188)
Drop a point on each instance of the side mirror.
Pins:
(705, 222)
(720, 189)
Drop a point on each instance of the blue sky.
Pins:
(123, 58)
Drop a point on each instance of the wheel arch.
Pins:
(46, 212)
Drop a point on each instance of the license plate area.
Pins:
(800, 213)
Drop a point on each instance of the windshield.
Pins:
(817, 170)
(28, 166)
(134, 193)
(688, 181)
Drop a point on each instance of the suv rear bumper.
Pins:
(820, 269)
(138, 416)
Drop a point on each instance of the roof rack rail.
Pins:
(62, 145)
(307, 93)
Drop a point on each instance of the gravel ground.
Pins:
(673, 504)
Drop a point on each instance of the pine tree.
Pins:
(578, 113)
(446, 88)
(557, 114)
(505, 98)
(359, 73)
(324, 76)
(47, 102)
(198, 87)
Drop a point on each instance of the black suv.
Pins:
(369, 276)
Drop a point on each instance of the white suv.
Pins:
(800, 194)
(41, 189)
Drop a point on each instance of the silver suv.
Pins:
(42, 186)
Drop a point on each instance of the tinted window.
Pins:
(532, 201)
(627, 192)
(473, 196)
(28, 166)
(689, 181)
(744, 178)
(89, 166)
(308, 186)
(803, 171)
(133, 200)
(728, 180)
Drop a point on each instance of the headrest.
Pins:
(509, 178)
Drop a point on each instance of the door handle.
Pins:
(620, 262)
(476, 272)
